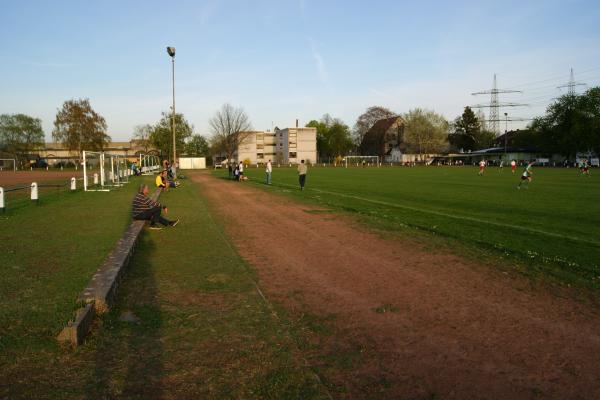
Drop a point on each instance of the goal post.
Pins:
(119, 169)
(149, 163)
(8, 164)
(94, 172)
(361, 160)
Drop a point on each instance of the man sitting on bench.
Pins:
(163, 182)
(144, 209)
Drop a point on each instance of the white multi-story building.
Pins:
(289, 145)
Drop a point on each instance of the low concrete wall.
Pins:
(99, 295)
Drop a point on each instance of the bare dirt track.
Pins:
(15, 178)
(429, 324)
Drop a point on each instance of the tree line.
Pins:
(571, 124)
(78, 127)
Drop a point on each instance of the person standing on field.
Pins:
(513, 166)
(481, 167)
(302, 169)
(241, 171)
(268, 171)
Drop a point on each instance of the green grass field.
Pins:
(550, 228)
(203, 330)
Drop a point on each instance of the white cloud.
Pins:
(319, 63)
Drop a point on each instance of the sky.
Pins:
(284, 60)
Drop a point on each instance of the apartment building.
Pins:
(289, 145)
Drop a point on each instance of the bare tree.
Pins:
(141, 135)
(230, 126)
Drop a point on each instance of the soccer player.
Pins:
(584, 167)
(513, 166)
(501, 166)
(481, 167)
(526, 175)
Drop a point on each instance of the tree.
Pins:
(469, 133)
(367, 119)
(141, 135)
(161, 136)
(197, 146)
(78, 127)
(426, 131)
(230, 126)
(333, 137)
(20, 134)
(571, 124)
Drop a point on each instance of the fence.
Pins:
(34, 189)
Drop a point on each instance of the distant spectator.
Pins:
(163, 182)
(268, 171)
(236, 173)
(241, 169)
(302, 169)
(135, 170)
(144, 209)
(230, 169)
(171, 171)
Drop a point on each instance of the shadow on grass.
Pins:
(128, 360)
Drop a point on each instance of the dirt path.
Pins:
(454, 328)
(12, 178)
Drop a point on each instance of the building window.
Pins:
(259, 155)
(292, 154)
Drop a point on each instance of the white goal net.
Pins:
(8, 164)
(95, 171)
(365, 161)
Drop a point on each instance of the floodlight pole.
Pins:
(171, 51)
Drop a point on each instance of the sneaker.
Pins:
(155, 227)
(174, 223)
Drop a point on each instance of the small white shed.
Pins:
(192, 162)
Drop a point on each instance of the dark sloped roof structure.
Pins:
(385, 131)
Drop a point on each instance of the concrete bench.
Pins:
(100, 293)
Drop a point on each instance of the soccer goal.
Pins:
(95, 172)
(365, 161)
(149, 164)
(118, 172)
(8, 164)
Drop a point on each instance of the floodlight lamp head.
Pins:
(171, 51)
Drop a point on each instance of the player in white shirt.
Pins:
(481, 167)
(268, 171)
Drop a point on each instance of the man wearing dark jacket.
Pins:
(144, 209)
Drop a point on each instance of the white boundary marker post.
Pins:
(1, 199)
(73, 184)
(34, 192)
